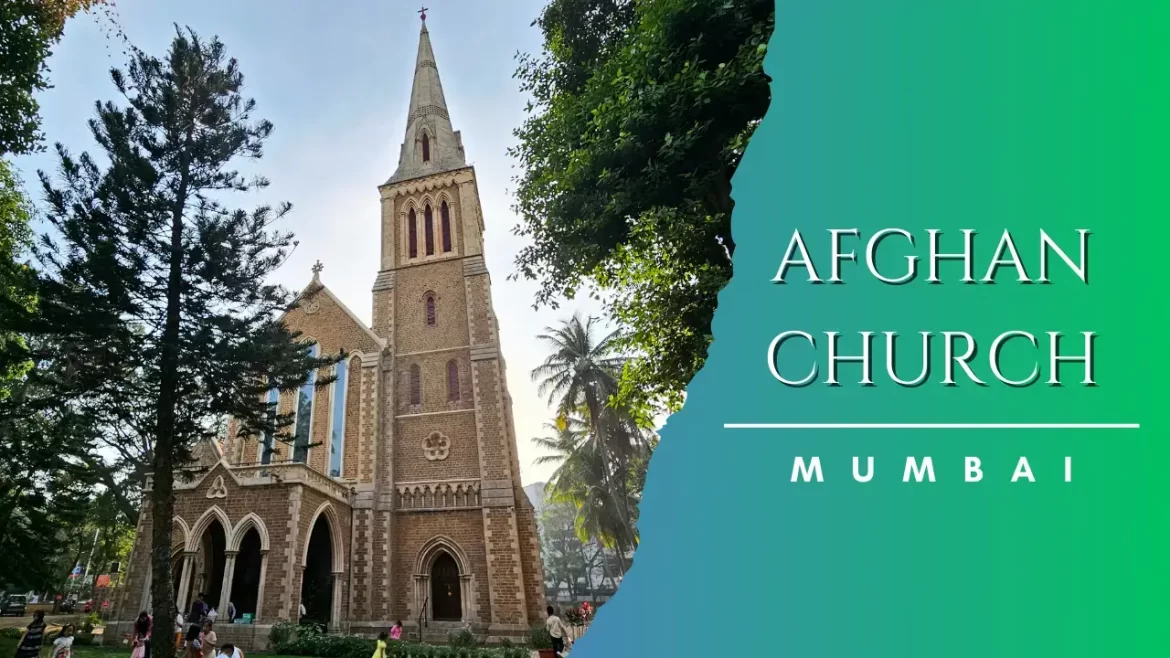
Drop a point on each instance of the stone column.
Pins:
(465, 597)
(185, 582)
(229, 573)
(335, 602)
(421, 596)
(296, 611)
(260, 588)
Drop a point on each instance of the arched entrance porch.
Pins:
(322, 565)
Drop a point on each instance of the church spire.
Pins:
(431, 145)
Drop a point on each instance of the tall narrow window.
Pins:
(430, 230)
(269, 444)
(445, 220)
(452, 381)
(430, 311)
(412, 234)
(337, 420)
(415, 385)
(426, 148)
(302, 436)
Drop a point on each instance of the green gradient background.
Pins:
(947, 115)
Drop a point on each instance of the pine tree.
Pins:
(173, 322)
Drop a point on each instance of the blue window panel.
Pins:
(337, 441)
(269, 445)
(302, 435)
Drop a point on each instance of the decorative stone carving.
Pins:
(218, 488)
(437, 447)
(312, 306)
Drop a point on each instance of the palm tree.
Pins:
(580, 370)
(582, 480)
(600, 448)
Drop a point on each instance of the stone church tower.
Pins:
(400, 496)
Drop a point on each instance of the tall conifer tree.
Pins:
(172, 321)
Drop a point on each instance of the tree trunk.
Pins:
(162, 492)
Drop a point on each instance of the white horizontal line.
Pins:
(931, 426)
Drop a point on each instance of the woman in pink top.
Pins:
(396, 631)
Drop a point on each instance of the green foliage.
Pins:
(462, 639)
(89, 621)
(17, 293)
(640, 112)
(28, 31)
(282, 635)
(294, 640)
(539, 637)
(596, 440)
(11, 633)
(44, 489)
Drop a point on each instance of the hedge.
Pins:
(294, 640)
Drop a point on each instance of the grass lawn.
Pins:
(8, 648)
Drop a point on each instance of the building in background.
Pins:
(574, 571)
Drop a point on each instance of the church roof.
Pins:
(428, 120)
(316, 287)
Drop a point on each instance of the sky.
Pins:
(334, 78)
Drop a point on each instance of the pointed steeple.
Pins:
(431, 145)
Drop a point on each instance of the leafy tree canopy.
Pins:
(28, 31)
(639, 115)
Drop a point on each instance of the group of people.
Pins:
(193, 638)
(200, 641)
(34, 637)
(394, 634)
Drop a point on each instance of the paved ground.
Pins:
(53, 621)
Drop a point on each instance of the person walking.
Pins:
(231, 613)
(195, 623)
(556, 629)
(142, 628)
(34, 636)
(178, 630)
(396, 630)
(380, 646)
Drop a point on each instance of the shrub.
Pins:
(282, 636)
(462, 639)
(89, 621)
(11, 633)
(295, 640)
(539, 637)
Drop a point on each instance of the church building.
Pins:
(399, 497)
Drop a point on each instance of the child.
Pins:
(396, 631)
(63, 645)
(208, 639)
(380, 647)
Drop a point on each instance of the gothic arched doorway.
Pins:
(209, 565)
(177, 572)
(317, 588)
(246, 579)
(446, 599)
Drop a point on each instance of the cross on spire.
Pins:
(422, 13)
(317, 267)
